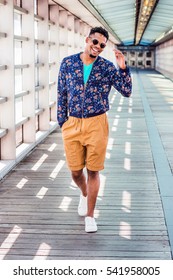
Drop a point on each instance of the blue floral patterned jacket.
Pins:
(84, 101)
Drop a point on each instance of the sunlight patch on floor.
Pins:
(65, 203)
(52, 147)
(57, 169)
(126, 201)
(128, 148)
(39, 162)
(22, 182)
(42, 252)
(127, 164)
(9, 241)
(42, 192)
(102, 185)
(125, 230)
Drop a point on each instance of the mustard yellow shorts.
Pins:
(85, 142)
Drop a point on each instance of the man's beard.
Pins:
(92, 56)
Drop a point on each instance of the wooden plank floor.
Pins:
(38, 200)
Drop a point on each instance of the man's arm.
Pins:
(62, 104)
(121, 78)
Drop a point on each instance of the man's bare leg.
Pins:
(90, 188)
(80, 180)
(93, 184)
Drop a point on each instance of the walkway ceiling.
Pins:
(129, 22)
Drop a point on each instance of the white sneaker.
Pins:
(90, 224)
(82, 207)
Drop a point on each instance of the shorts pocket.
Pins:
(65, 124)
(103, 120)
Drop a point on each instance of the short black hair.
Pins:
(100, 30)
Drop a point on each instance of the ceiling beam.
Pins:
(138, 5)
(166, 36)
(144, 14)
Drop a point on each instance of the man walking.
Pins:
(84, 82)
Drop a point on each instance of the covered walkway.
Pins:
(38, 200)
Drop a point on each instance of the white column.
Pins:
(70, 26)
(28, 57)
(43, 71)
(54, 57)
(63, 34)
(8, 142)
(77, 35)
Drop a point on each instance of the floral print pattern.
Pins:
(84, 101)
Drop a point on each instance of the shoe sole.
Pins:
(90, 229)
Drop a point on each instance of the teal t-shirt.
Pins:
(87, 71)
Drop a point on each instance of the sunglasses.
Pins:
(96, 42)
